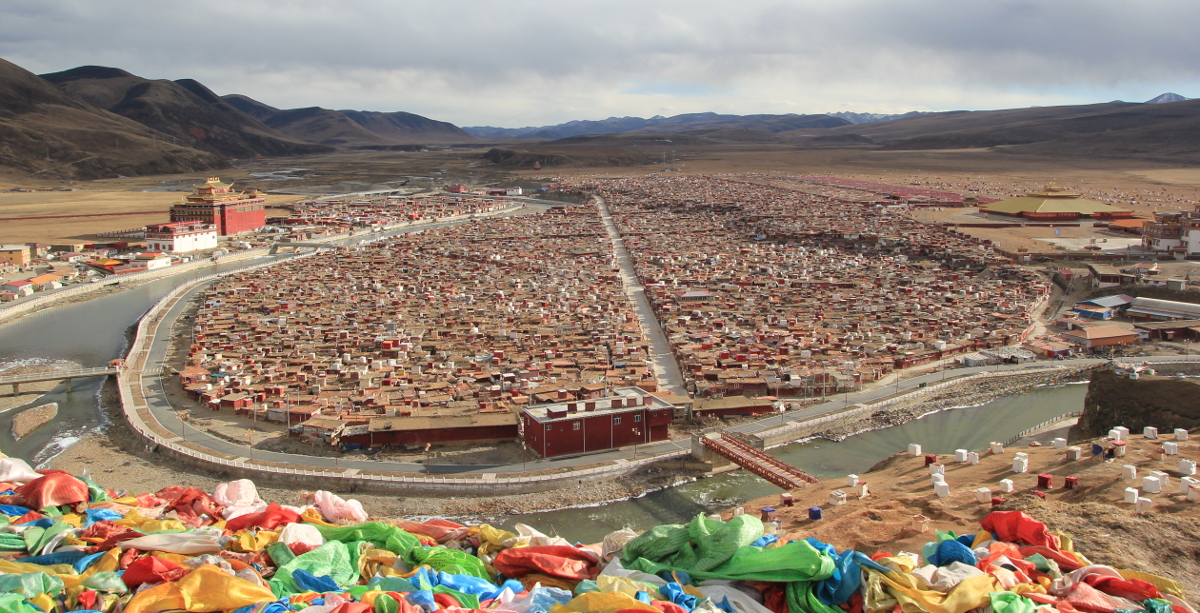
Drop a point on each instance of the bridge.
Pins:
(296, 247)
(775, 471)
(57, 375)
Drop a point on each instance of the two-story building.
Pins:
(629, 416)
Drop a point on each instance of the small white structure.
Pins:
(1151, 484)
(960, 455)
(1129, 472)
(1131, 495)
(1163, 477)
(973, 458)
(1074, 453)
(1186, 484)
(1150, 432)
(914, 449)
(837, 497)
(1187, 467)
(1060, 443)
(1115, 434)
(861, 489)
(937, 469)
(1021, 463)
(1144, 505)
(983, 494)
(739, 511)
(936, 479)
(1181, 434)
(851, 480)
(1170, 448)
(942, 490)
(997, 447)
(1006, 486)
(1122, 433)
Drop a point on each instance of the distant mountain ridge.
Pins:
(679, 123)
(349, 128)
(1165, 98)
(857, 118)
(185, 110)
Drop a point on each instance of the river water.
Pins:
(93, 332)
(90, 334)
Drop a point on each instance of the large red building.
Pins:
(630, 416)
(216, 204)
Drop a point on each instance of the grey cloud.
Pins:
(446, 58)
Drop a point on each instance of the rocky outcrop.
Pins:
(1118, 400)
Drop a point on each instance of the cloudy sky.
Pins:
(535, 62)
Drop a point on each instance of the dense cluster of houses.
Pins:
(438, 336)
(767, 289)
(309, 219)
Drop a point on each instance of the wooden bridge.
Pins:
(777, 472)
(57, 375)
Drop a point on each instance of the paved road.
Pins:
(666, 367)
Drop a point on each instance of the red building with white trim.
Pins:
(629, 416)
(216, 204)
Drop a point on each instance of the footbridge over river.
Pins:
(57, 375)
(773, 470)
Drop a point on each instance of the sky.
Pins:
(535, 62)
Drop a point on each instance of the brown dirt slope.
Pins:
(1114, 400)
(38, 121)
(1164, 541)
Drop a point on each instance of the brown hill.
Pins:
(400, 127)
(39, 121)
(185, 110)
(250, 106)
(1117, 129)
(351, 128)
(317, 125)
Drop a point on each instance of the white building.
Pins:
(513, 191)
(181, 237)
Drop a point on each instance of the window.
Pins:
(637, 417)
(617, 421)
(575, 425)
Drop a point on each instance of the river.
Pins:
(90, 334)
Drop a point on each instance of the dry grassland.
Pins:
(988, 173)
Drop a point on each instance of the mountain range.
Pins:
(659, 124)
(93, 121)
